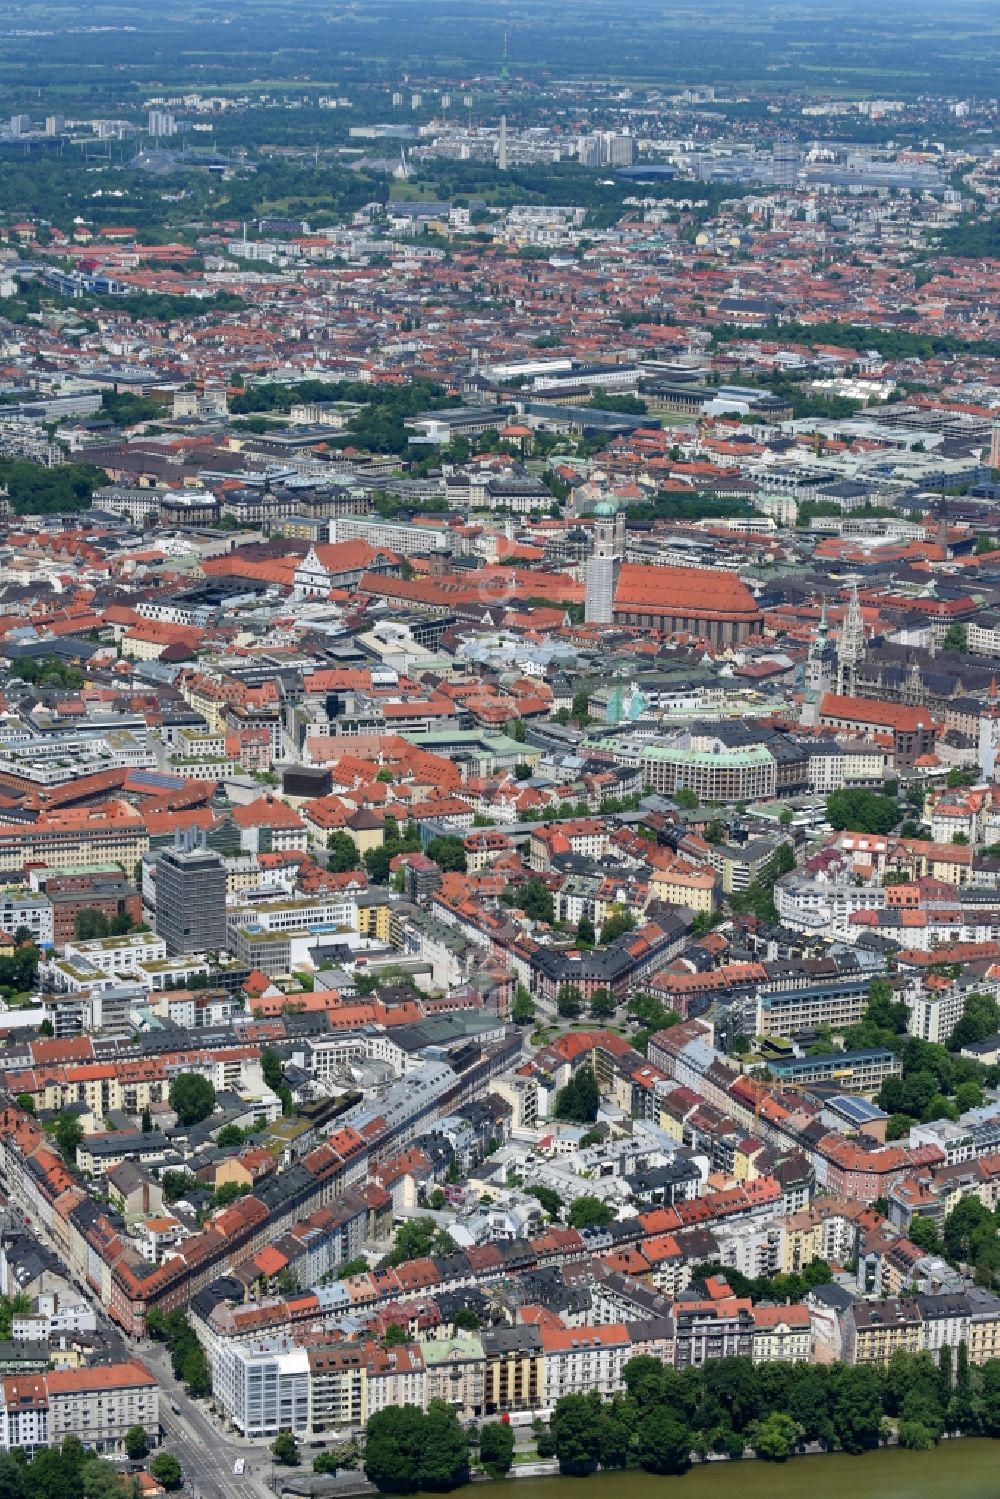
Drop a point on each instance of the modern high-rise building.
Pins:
(605, 148)
(604, 564)
(191, 896)
(161, 123)
(785, 163)
(617, 150)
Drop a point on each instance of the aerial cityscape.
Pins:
(499, 748)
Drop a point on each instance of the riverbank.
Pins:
(965, 1468)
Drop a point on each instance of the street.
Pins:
(204, 1452)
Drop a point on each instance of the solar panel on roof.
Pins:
(156, 779)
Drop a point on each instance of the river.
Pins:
(967, 1469)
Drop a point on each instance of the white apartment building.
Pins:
(933, 1016)
(263, 1390)
(26, 908)
(824, 906)
(578, 1360)
(118, 957)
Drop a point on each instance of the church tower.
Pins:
(852, 646)
(819, 673)
(604, 565)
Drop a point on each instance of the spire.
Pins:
(852, 644)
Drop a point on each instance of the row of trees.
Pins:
(892, 343)
(187, 1357)
(664, 1416)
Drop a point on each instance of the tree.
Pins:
(576, 1428)
(177, 1184)
(962, 1415)
(192, 1097)
(980, 1019)
(342, 852)
(357, 1266)
(89, 924)
(861, 811)
(808, 1403)
(775, 1438)
(663, 1442)
(585, 934)
(55, 1474)
(285, 1449)
(344, 1456)
(447, 852)
(968, 1096)
(923, 1233)
(136, 1443)
(989, 1399)
(394, 1441)
(195, 1371)
(378, 862)
(602, 1005)
(857, 1408)
(965, 1228)
(548, 1198)
(416, 1239)
(579, 1100)
(496, 1448)
(580, 711)
(569, 1001)
(956, 639)
(146, 1124)
(589, 1211)
(11, 1477)
(68, 1134)
(270, 1066)
(686, 798)
(522, 1011)
(617, 925)
(395, 1336)
(444, 1462)
(167, 1471)
(533, 897)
